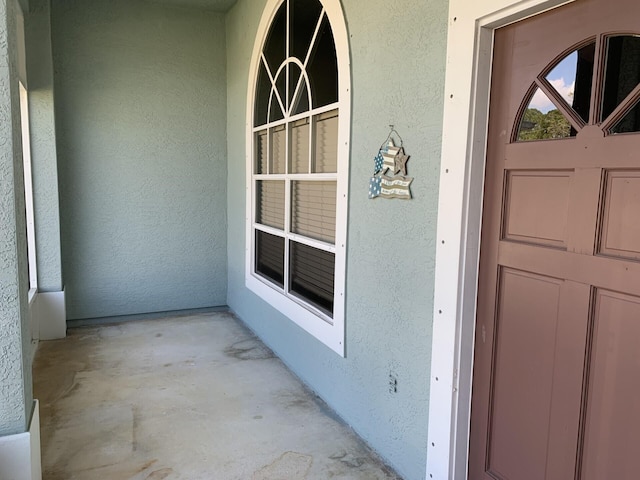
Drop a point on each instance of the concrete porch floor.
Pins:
(187, 397)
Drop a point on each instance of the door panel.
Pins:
(621, 228)
(537, 206)
(556, 389)
(613, 412)
(526, 328)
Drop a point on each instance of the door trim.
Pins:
(467, 85)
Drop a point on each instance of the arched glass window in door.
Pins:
(594, 83)
(299, 112)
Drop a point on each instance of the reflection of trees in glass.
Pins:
(542, 126)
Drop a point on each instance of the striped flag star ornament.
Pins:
(390, 157)
(393, 160)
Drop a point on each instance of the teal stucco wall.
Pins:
(140, 97)
(43, 147)
(16, 394)
(398, 61)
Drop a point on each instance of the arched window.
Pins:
(297, 169)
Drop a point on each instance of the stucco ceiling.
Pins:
(216, 5)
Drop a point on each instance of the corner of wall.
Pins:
(20, 454)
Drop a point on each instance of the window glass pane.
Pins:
(543, 121)
(312, 274)
(300, 146)
(275, 47)
(263, 88)
(314, 209)
(270, 203)
(326, 143)
(630, 122)
(262, 155)
(270, 257)
(323, 68)
(275, 111)
(622, 72)
(572, 78)
(278, 149)
(294, 76)
(304, 17)
(301, 104)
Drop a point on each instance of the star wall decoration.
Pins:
(390, 178)
(400, 162)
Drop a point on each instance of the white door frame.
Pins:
(468, 78)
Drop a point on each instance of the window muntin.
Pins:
(298, 146)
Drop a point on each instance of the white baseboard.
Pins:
(52, 315)
(20, 453)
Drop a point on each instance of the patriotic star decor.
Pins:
(388, 163)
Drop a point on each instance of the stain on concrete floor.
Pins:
(192, 398)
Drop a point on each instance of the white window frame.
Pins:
(28, 189)
(329, 331)
(466, 117)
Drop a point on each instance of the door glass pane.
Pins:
(312, 273)
(313, 212)
(543, 121)
(572, 78)
(270, 203)
(323, 68)
(622, 73)
(270, 257)
(300, 146)
(630, 122)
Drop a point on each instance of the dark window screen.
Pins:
(312, 273)
(270, 257)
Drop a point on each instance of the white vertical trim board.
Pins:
(467, 84)
(28, 186)
(52, 315)
(20, 453)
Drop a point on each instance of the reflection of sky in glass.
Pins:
(563, 79)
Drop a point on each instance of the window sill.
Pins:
(330, 334)
(32, 295)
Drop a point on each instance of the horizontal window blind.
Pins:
(314, 209)
(326, 148)
(278, 149)
(300, 146)
(270, 257)
(262, 155)
(312, 273)
(270, 203)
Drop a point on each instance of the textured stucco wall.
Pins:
(398, 61)
(140, 111)
(15, 354)
(43, 147)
